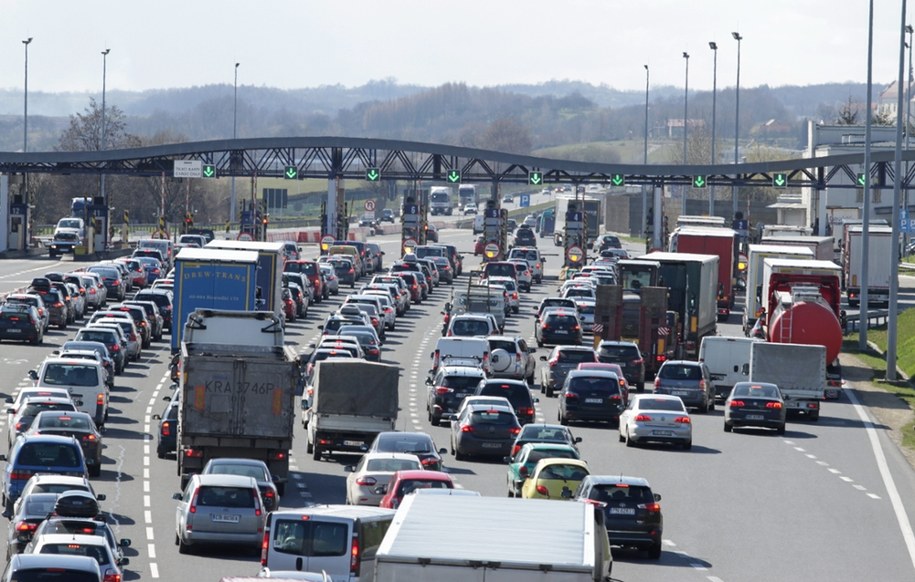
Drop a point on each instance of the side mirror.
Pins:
(123, 561)
(2, 457)
(577, 440)
(175, 496)
(350, 468)
(157, 417)
(9, 400)
(380, 490)
(428, 381)
(443, 451)
(101, 496)
(532, 350)
(33, 374)
(124, 543)
(657, 497)
(321, 326)
(543, 358)
(506, 459)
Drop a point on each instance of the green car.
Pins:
(521, 465)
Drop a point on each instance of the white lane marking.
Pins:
(873, 496)
(809, 456)
(152, 551)
(822, 463)
(154, 570)
(898, 508)
(669, 543)
(147, 516)
(714, 579)
(150, 535)
(846, 479)
(859, 487)
(799, 449)
(834, 471)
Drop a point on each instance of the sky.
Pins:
(291, 44)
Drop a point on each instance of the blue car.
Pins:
(39, 454)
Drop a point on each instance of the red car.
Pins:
(289, 306)
(406, 482)
(479, 246)
(311, 270)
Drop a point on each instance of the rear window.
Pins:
(621, 493)
(36, 507)
(497, 417)
(95, 336)
(615, 353)
(58, 488)
(470, 327)
(54, 575)
(98, 553)
(49, 455)
(562, 320)
(564, 472)
(604, 385)
(517, 395)
(213, 496)
(586, 309)
(575, 356)
(520, 268)
(70, 375)
(496, 269)
(408, 487)
(460, 382)
(680, 372)
(556, 454)
(392, 465)
(64, 421)
(661, 404)
(311, 537)
(32, 409)
(508, 346)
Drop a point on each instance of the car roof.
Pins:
(220, 480)
(614, 479)
(49, 438)
(82, 539)
(553, 446)
(21, 562)
(463, 371)
(238, 461)
(616, 343)
(592, 374)
(560, 461)
(422, 474)
(484, 407)
(654, 396)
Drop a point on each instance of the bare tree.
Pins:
(848, 115)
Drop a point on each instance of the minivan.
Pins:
(83, 379)
(340, 540)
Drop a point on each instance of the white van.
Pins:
(480, 299)
(83, 379)
(340, 540)
(461, 351)
(70, 224)
(728, 362)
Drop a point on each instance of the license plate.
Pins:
(622, 511)
(662, 433)
(353, 443)
(755, 417)
(492, 445)
(680, 392)
(226, 518)
(594, 400)
(13, 330)
(560, 331)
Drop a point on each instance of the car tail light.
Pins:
(515, 295)
(100, 399)
(112, 576)
(115, 348)
(737, 404)
(355, 556)
(366, 481)
(643, 418)
(575, 328)
(428, 461)
(92, 291)
(616, 397)
(657, 383)
(571, 396)
(26, 527)
(650, 507)
(775, 405)
(19, 426)
(116, 283)
(660, 358)
(554, 361)
(518, 357)
(443, 390)
(542, 490)
(637, 362)
(58, 304)
(265, 546)
(277, 455)
(515, 450)
(682, 420)
(193, 507)
(515, 430)
(466, 428)
(702, 384)
(89, 438)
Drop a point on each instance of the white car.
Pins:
(586, 309)
(388, 308)
(375, 470)
(472, 325)
(533, 258)
(81, 545)
(514, 301)
(470, 209)
(510, 357)
(524, 273)
(580, 291)
(656, 418)
(481, 401)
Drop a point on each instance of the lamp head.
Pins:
(737, 36)
(713, 45)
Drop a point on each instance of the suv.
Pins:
(39, 453)
(629, 358)
(561, 361)
(533, 258)
(518, 393)
(687, 379)
(219, 508)
(558, 326)
(510, 357)
(471, 325)
(448, 388)
(525, 237)
(590, 395)
(632, 513)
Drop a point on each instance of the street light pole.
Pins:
(864, 299)
(233, 200)
(104, 144)
(685, 125)
(738, 38)
(25, 113)
(711, 196)
(645, 158)
(908, 124)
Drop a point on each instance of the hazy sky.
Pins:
(306, 43)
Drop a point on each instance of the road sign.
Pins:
(525, 201)
(780, 180)
(618, 180)
(663, 331)
(369, 206)
(188, 169)
(535, 178)
(859, 180)
(699, 182)
(906, 226)
(454, 176)
(491, 251)
(410, 209)
(209, 171)
(574, 253)
(245, 236)
(597, 328)
(372, 174)
(408, 245)
(291, 173)
(327, 242)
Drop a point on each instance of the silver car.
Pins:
(219, 509)
(658, 418)
(374, 470)
(330, 277)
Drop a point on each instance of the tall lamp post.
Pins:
(738, 38)
(685, 125)
(908, 123)
(233, 200)
(711, 192)
(104, 144)
(25, 134)
(645, 158)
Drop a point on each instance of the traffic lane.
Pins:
(18, 273)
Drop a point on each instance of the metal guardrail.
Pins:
(874, 319)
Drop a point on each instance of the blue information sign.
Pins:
(525, 200)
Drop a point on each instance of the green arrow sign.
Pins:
(209, 171)
(861, 179)
(780, 180)
(372, 175)
(454, 176)
(699, 182)
(535, 178)
(618, 180)
(291, 173)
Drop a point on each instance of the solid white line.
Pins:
(898, 508)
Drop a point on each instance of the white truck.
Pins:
(727, 360)
(353, 401)
(822, 246)
(555, 541)
(479, 299)
(798, 370)
(460, 351)
(879, 269)
(755, 257)
(441, 200)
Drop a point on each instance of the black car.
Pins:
(110, 339)
(590, 395)
(387, 215)
(632, 513)
(447, 390)
(32, 510)
(168, 429)
(80, 426)
(20, 321)
(518, 393)
(558, 326)
(525, 237)
(163, 300)
(415, 443)
(609, 241)
(628, 356)
(755, 404)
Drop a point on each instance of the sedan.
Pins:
(266, 483)
(82, 545)
(80, 426)
(415, 443)
(631, 510)
(484, 430)
(29, 409)
(555, 479)
(375, 470)
(755, 404)
(407, 482)
(30, 511)
(521, 466)
(22, 322)
(656, 417)
(545, 433)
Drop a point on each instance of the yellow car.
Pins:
(555, 478)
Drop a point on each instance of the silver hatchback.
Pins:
(219, 509)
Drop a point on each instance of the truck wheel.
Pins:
(728, 427)
(815, 416)
(309, 448)
(316, 453)
(549, 391)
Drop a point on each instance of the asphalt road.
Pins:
(812, 505)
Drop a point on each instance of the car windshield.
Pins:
(667, 404)
(97, 552)
(680, 372)
(244, 470)
(70, 375)
(404, 444)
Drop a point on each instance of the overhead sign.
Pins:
(291, 173)
(410, 209)
(860, 179)
(372, 174)
(699, 182)
(369, 205)
(491, 250)
(209, 171)
(906, 225)
(618, 180)
(188, 169)
(454, 176)
(535, 178)
(780, 180)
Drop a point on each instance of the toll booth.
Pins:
(411, 225)
(18, 239)
(97, 225)
(494, 223)
(4, 212)
(575, 238)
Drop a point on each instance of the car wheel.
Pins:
(549, 391)
(563, 420)
(459, 456)
(622, 439)
(711, 403)
(309, 448)
(654, 552)
(640, 387)
(687, 445)
(511, 493)
(316, 453)
(629, 441)
(183, 548)
(728, 427)
(780, 430)
(516, 308)
(160, 452)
